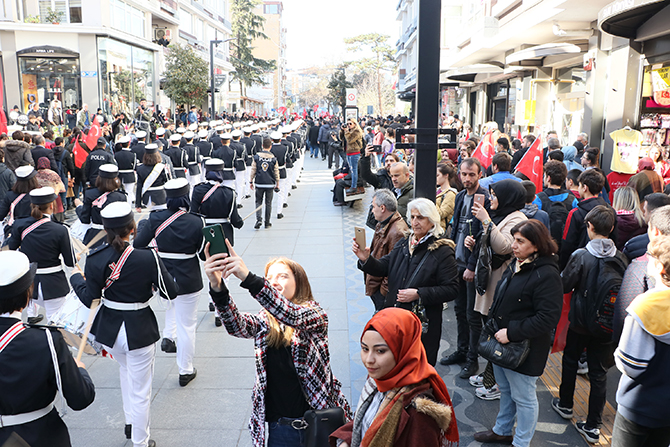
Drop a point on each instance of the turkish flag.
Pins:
(518, 134)
(3, 117)
(304, 113)
(254, 114)
(80, 153)
(94, 133)
(485, 150)
(316, 108)
(531, 164)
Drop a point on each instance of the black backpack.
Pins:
(558, 214)
(600, 297)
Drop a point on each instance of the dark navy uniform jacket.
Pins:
(280, 152)
(94, 160)
(28, 383)
(205, 148)
(227, 154)
(44, 245)
(90, 214)
(142, 272)
(258, 142)
(251, 148)
(289, 153)
(138, 150)
(158, 196)
(240, 155)
(181, 237)
(216, 141)
(192, 159)
(221, 204)
(127, 162)
(22, 209)
(179, 160)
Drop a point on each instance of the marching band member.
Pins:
(251, 148)
(227, 154)
(16, 203)
(127, 162)
(151, 177)
(192, 159)
(44, 242)
(205, 148)
(177, 236)
(125, 324)
(32, 359)
(281, 153)
(177, 155)
(240, 163)
(107, 190)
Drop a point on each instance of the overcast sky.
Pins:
(316, 29)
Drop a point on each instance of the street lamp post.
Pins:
(211, 74)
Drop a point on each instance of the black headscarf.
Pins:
(511, 197)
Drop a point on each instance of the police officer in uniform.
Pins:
(16, 203)
(107, 190)
(151, 176)
(251, 148)
(139, 147)
(177, 156)
(227, 155)
(125, 277)
(27, 368)
(205, 149)
(240, 163)
(44, 242)
(177, 235)
(192, 159)
(127, 162)
(96, 158)
(281, 154)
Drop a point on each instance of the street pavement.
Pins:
(214, 409)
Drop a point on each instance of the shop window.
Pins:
(46, 79)
(127, 18)
(69, 10)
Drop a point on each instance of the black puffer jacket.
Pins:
(528, 303)
(17, 153)
(7, 180)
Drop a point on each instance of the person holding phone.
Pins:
(178, 239)
(290, 335)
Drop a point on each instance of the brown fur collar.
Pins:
(438, 411)
(437, 243)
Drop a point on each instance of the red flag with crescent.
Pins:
(79, 153)
(3, 117)
(94, 133)
(485, 150)
(531, 164)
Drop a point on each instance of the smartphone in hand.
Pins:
(480, 198)
(217, 241)
(359, 234)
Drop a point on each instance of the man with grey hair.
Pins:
(583, 138)
(403, 186)
(390, 228)
(40, 151)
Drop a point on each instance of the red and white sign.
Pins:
(352, 96)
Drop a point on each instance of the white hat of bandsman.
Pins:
(124, 139)
(151, 148)
(117, 215)
(177, 187)
(42, 196)
(189, 135)
(175, 137)
(236, 133)
(276, 135)
(237, 124)
(25, 172)
(254, 128)
(219, 128)
(140, 134)
(214, 164)
(193, 126)
(108, 170)
(226, 136)
(203, 133)
(160, 131)
(204, 124)
(181, 130)
(228, 126)
(17, 273)
(247, 130)
(262, 126)
(285, 130)
(249, 123)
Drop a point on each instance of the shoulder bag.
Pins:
(319, 424)
(483, 268)
(418, 308)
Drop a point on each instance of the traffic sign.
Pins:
(352, 96)
(219, 79)
(89, 74)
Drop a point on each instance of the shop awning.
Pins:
(469, 72)
(622, 18)
(539, 51)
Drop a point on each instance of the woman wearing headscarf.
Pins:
(646, 181)
(404, 401)
(47, 177)
(569, 155)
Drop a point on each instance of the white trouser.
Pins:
(280, 197)
(229, 183)
(193, 180)
(50, 306)
(247, 181)
(181, 319)
(130, 191)
(295, 172)
(136, 370)
(290, 172)
(239, 183)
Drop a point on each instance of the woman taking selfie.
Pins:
(290, 335)
(526, 306)
(404, 401)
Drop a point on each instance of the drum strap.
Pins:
(33, 226)
(210, 192)
(164, 225)
(10, 334)
(61, 407)
(116, 267)
(12, 206)
(152, 177)
(101, 200)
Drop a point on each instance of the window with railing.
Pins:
(127, 18)
(60, 11)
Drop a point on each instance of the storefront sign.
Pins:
(29, 90)
(89, 74)
(660, 83)
(47, 51)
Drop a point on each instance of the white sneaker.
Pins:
(492, 393)
(582, 368)
(477, 381)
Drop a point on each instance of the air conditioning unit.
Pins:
(162, 33)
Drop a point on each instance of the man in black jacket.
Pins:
(98, 157)
(40, 151)
(466, 231)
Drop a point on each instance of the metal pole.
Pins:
(211, 76)
(427, 97)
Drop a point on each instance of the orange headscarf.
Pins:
(401, 330)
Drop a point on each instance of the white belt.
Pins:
(165, 255)
(126, 171)
(206, 158)
(156, 188)
(24, 418)
(228, 169)
(281, 166)
(47, 270)
(215, 220)
(97, 226)
(124, 306)
(240, 159)
(193, 162)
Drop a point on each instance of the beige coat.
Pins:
(501, 243)
(445, 205)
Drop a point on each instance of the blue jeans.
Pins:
(284, 436)
(518, 399)
(353, 166)
(314, 149)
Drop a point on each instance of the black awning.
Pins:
(622, 18)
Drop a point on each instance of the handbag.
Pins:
(319, 424)
(418, 308)
(483, 268)
(509, 355)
